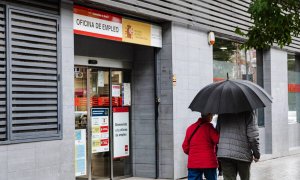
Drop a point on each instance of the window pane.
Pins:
(293, 89)
(228, 57)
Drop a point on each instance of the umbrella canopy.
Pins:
(230, 96)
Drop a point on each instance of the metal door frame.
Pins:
(89, 125)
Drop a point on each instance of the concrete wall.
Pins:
(262, 140)
(193, 67)
(276, 116)
(165, 110)
(294, 135)
(143, 114)
(48, 160)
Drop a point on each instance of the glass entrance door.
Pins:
(102, 120)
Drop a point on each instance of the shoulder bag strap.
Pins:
(199, 125)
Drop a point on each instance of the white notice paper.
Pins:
(121, 131)
(116, 91)
(100, 81)
(80, 152)
(126, 93)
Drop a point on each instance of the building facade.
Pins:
(100, 89)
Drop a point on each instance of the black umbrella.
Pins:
(230, 96)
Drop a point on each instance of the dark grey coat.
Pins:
(238, 136)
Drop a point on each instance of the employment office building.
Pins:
(100, 89)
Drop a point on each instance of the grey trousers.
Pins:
(232, 167)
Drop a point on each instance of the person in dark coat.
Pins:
(238, 145)
(200, 146)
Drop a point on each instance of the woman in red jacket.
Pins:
(200, 146)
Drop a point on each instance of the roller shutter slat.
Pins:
(34, 52)
(34, 26)
(41, 58)
(37, 102)
(26, 89)
(35, 96)
(3, 136)
(23, 128)
(33, 32)
(34, 39)
(17, 115)
(37, 77)
(36, 46)
(34, 121)
(35, 108)
(34, 71)
(34, 83)
(32, 19)
(34, 64)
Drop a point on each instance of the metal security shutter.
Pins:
(3, 120)
(34, 75)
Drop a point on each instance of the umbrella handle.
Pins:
(227, 76)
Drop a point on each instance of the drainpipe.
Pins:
(157, 101)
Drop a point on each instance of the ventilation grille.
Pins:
(3, 124)
(34, 75)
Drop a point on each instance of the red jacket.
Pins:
(202, 148)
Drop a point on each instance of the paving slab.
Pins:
(284, 168)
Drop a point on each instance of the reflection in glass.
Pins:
(293, 89)
(99, 93)
(230, 58)
(80, 104)
(122, 166)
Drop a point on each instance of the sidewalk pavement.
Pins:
(285, 168)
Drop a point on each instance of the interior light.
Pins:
(223, 48)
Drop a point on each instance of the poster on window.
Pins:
(126, 94)
(80, 152)
(116, 90)
(100, 130)
(100, 80)
(121, 131)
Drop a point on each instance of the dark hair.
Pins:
(206, 115)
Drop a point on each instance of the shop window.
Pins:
(293, 89)
(229, 57)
